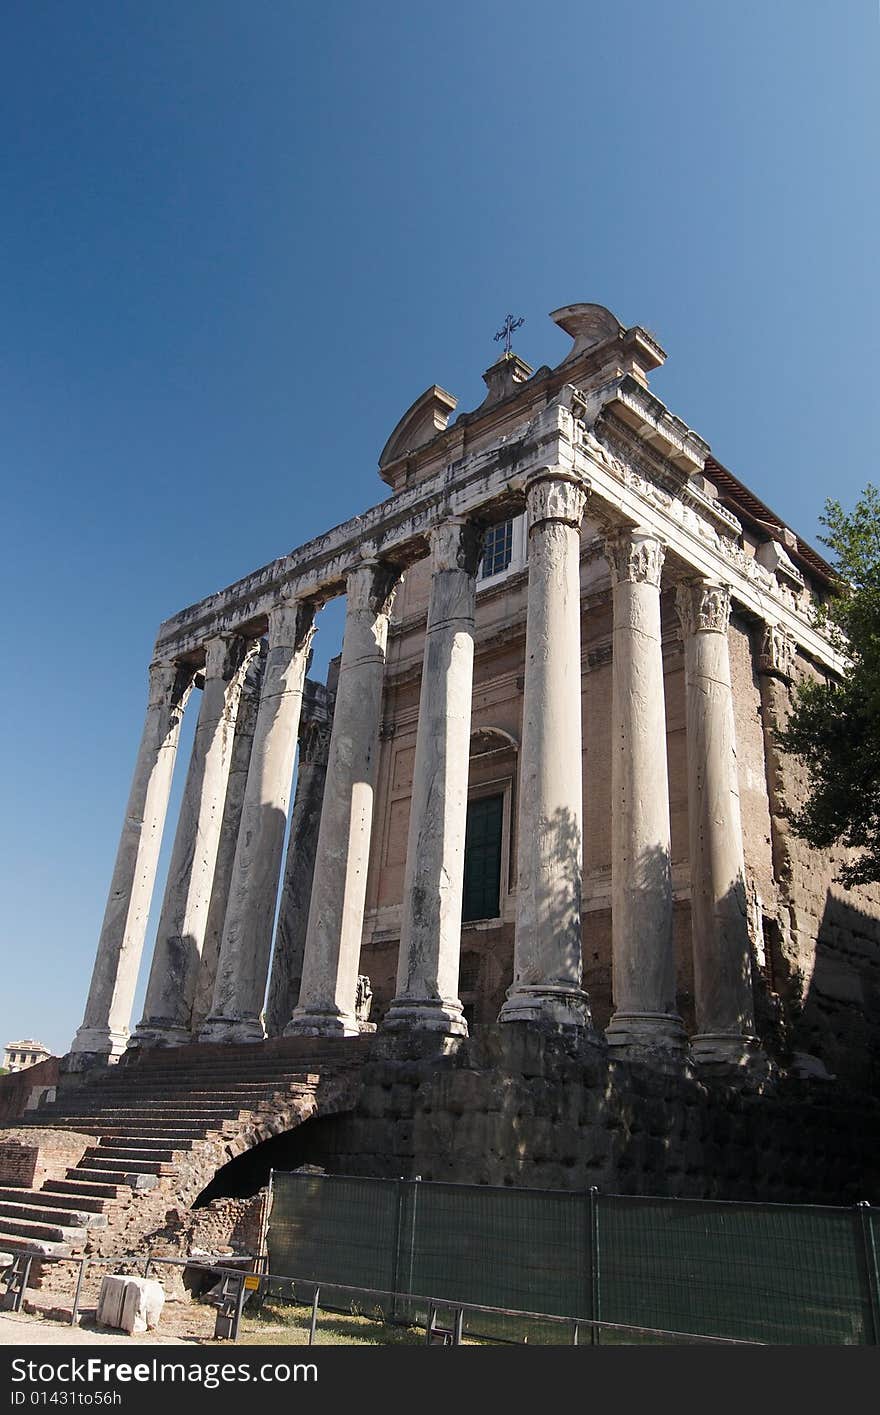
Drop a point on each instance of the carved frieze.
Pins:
(778, 652)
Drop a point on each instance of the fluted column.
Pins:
(242, 745)
(243, 965)
(643, 960)
(722, 960)
(183, 921)
(336, 912)
(547, 950)
(104, 1029)
(430, 935)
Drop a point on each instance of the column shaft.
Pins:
(547, 951)
(722, 955)
(430, 935)
(104, 1029)
(299, 866)
(336, 912)
(643, 961)
(183, 921)
(243, 965)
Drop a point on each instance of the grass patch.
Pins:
(288, 1325)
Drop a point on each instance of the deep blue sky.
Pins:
(238, 239)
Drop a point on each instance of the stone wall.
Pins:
(511, 1106)
(823, 956)
(29, 1157)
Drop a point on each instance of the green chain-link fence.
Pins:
(777, 1273)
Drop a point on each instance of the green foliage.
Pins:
(835, 727)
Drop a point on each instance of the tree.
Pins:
(834, 727)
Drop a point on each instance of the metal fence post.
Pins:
(871, 1268)
(314, 1321)
(595, 1291)
(398, 1229)
(83, 1263)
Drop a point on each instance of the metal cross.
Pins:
(506, 330)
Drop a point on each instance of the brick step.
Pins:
(36, 1212)
(147, 1076)
(45, 1232)
(15, 1243)
(145, 1145)
(112, 1166)
(133, 1152)
(116, 1176)
(83, 1203)
(110, 1193)
(171, 1130)
(245, 1096)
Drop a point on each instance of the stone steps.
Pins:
(81, 1203)
(111, 1191)
(16, 1243)
(38, 1212)
(146, 1117)
(46, 1232)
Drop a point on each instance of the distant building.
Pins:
(19, 1055)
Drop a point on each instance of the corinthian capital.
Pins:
(555, 496)
(634, 557)
(703, 607)
(456, 544)
(371, 586)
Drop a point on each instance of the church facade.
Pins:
(542, 785)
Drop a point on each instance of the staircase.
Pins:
(165, 1120)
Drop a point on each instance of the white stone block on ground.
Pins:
(131, 1304)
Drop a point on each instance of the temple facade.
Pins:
(542, 785)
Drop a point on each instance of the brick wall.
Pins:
(29, 1157)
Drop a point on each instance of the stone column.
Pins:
(336, 912)
(299, 867)
(722, 959)
(547, 950)
(643, 960)
(183, 921)
(430, 935)
(104, 1029)
(243, 965)
(245, 725)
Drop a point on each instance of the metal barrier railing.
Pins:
(232, 1300)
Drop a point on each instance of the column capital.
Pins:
(555, 495)
(291, 624)
(703, 606)
(372, 585)
(634, 556)
(225, 655)
(778, 652)
(163, 680)
(456, 544)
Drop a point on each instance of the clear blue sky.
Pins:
(238, 239)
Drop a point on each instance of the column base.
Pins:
(99, 1041)
(729, 1050)
(556, 1005)
(232, 1029)
(310, 1022)
(631, 1033)
(425, 1014)
(159, 1034)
